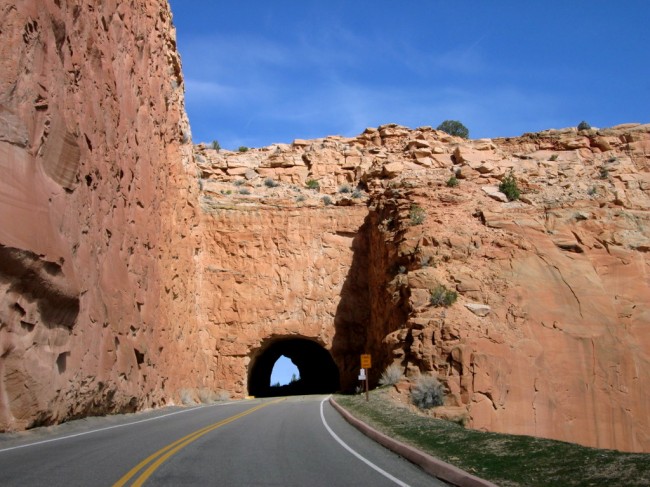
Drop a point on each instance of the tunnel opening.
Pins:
(318, 374)
(284, 372)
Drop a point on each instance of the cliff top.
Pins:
(553, 167)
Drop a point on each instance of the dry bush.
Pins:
(392, 375)
(427, 392)
(187, 397)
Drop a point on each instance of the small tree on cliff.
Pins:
(454, 127)
(584, 125)
(509, 186)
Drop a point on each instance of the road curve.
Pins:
(293, 441)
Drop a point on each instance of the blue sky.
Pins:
(263, 72)
(283, 370)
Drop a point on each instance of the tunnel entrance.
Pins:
(318, 372)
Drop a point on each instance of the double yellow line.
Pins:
(152, 462)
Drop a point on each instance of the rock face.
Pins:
(96, 210)
(272, 274)
(563, 350)
(126, 281)
(548, 335)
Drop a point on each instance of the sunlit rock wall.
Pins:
(131, 276)
(97, 229)
(549, 334)
(270, 273)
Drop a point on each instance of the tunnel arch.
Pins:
(318, 371)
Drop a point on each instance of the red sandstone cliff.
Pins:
(122, 284)
(549, 334)
(96, 225)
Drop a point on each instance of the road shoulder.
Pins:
(429, 464)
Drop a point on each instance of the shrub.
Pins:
(592, 191)
(345, 189)
(243, 148)
(206, 396)
(454, 127)
(186, 397)
(604, 172)
(270, 183)
(452, 182)
(584, 126)
(356, 194)
(216, 146)
(312, 184)
(327, 200)
(244, 191)
(509, 186)
(391, 376)
(554, 157)
(238, 182)
(441, 296)
(300, 198)
(417, 215)
(427, 392)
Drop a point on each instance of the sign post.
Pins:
(366, 363)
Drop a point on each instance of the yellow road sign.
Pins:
(366, 361)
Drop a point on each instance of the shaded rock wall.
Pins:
(96, 232)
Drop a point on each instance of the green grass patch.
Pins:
(507, 460)
(417, 215)
(441, 296)
(509, 187)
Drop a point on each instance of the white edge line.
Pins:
(110, 427)
(359, 456)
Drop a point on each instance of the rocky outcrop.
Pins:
(547, 334)
(135, 271)
(98, 228)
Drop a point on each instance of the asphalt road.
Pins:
(296, 441)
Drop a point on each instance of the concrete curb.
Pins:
(429, 464)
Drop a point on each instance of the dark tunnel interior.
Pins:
(318, 372)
